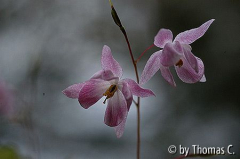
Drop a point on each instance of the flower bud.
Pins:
(115, 16)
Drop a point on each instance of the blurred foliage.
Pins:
(7, 152)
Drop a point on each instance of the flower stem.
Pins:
(118, 22)
(131, 54)
(144, 52)
(138, 99)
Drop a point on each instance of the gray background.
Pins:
(47, 45)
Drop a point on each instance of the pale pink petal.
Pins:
(192, 60)
(137, 90)
(151, 67)
(189, 36)
(167, 75)
(163, 36)
(116, 110)
(97, 75)
(73, 90)
(120, 128)
(109, 63)
(92, 91)
(104, 74)
(187, 74)
(171, 54)
(203, 79)
(127, 94)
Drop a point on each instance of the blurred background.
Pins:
(48, 45)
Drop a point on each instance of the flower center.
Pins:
(179, 63)
(110, 92)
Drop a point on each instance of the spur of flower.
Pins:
(177, 53)
(107, 83)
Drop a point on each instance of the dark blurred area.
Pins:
(48, 45)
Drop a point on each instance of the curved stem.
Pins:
(118, 22)
(131, 54)
(144, 53)
(138, 99)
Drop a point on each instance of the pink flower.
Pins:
(6, 100)
(177, 53)
(107, 82)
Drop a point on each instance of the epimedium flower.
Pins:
(107, 83)
(177, 53)
(6, 100)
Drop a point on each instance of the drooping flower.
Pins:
(177, 53)
(6, 100)
(107, 82)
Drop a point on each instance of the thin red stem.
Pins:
(131, 54)
(144, 52)
(118, 22)
(138, 99)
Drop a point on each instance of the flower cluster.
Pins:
(119, 92)
(107, 82)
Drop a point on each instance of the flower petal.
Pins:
(189, 36)
(127, 94)
(116, 110)
(167, 75)
(92, 91)
(129, 98)
(73, 90)
(151, 67)
(109, 63)
(187, 74)
(203, 79)
(120, 128)
(104, 74)
(137, 90)
(192, 60)
(163, 36)
(171, 54)
(97, 75)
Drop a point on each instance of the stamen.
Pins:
(105, 100)
(113, 89)
(179, 63)
(110, 92)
